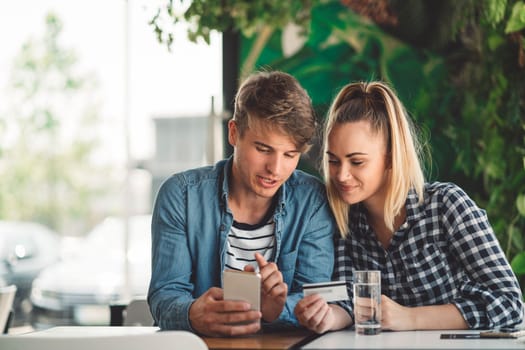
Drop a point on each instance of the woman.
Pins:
(441, 264)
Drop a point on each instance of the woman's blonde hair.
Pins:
(377, 103)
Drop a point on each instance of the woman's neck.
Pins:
(376, 220)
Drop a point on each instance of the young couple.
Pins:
(440, 262)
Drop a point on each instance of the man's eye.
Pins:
(290, 155)
(263, 150)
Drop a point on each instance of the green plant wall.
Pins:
(466, 94)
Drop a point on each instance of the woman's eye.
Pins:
(357, 162)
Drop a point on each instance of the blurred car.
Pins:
(26, 248)
(79, 289)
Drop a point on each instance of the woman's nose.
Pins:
(343, 173)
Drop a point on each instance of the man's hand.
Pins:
(274, 291)
(211, 315)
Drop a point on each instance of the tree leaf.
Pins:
(495, 11)
(517, 18)
(518, 264)
(520, 204)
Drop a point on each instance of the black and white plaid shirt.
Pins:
(445, 253)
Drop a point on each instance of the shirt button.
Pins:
(222, 227)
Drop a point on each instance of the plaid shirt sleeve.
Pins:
(343, 272)
(491, 296)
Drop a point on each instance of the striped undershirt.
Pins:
(245, 240)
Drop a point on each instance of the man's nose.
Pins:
(274, 164)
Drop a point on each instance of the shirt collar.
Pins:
(415, 211)
(359, 223)
(226, 173)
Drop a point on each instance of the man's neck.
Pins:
(249, 209)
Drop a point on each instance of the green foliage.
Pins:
(520, 204)
(344, 47)
(495, 11)
(518, 264)
(48, 136)
(245, 16)
(517, 19)
(493, 90)
(249, 17)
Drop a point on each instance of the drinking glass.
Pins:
(367, 302)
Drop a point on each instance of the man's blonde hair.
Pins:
(377, 103)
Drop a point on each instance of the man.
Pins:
(251, 211)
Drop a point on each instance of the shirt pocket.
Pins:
(426, 277)
(286, 265)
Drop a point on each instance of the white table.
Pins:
(102, 338)
(348, 339)
(91, 331)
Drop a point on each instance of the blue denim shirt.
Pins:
(190, 226)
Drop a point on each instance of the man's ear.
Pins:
(232, 133)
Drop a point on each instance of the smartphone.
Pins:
(242, 285)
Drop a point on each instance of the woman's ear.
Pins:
(388, 161)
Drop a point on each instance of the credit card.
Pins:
(329, 291)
